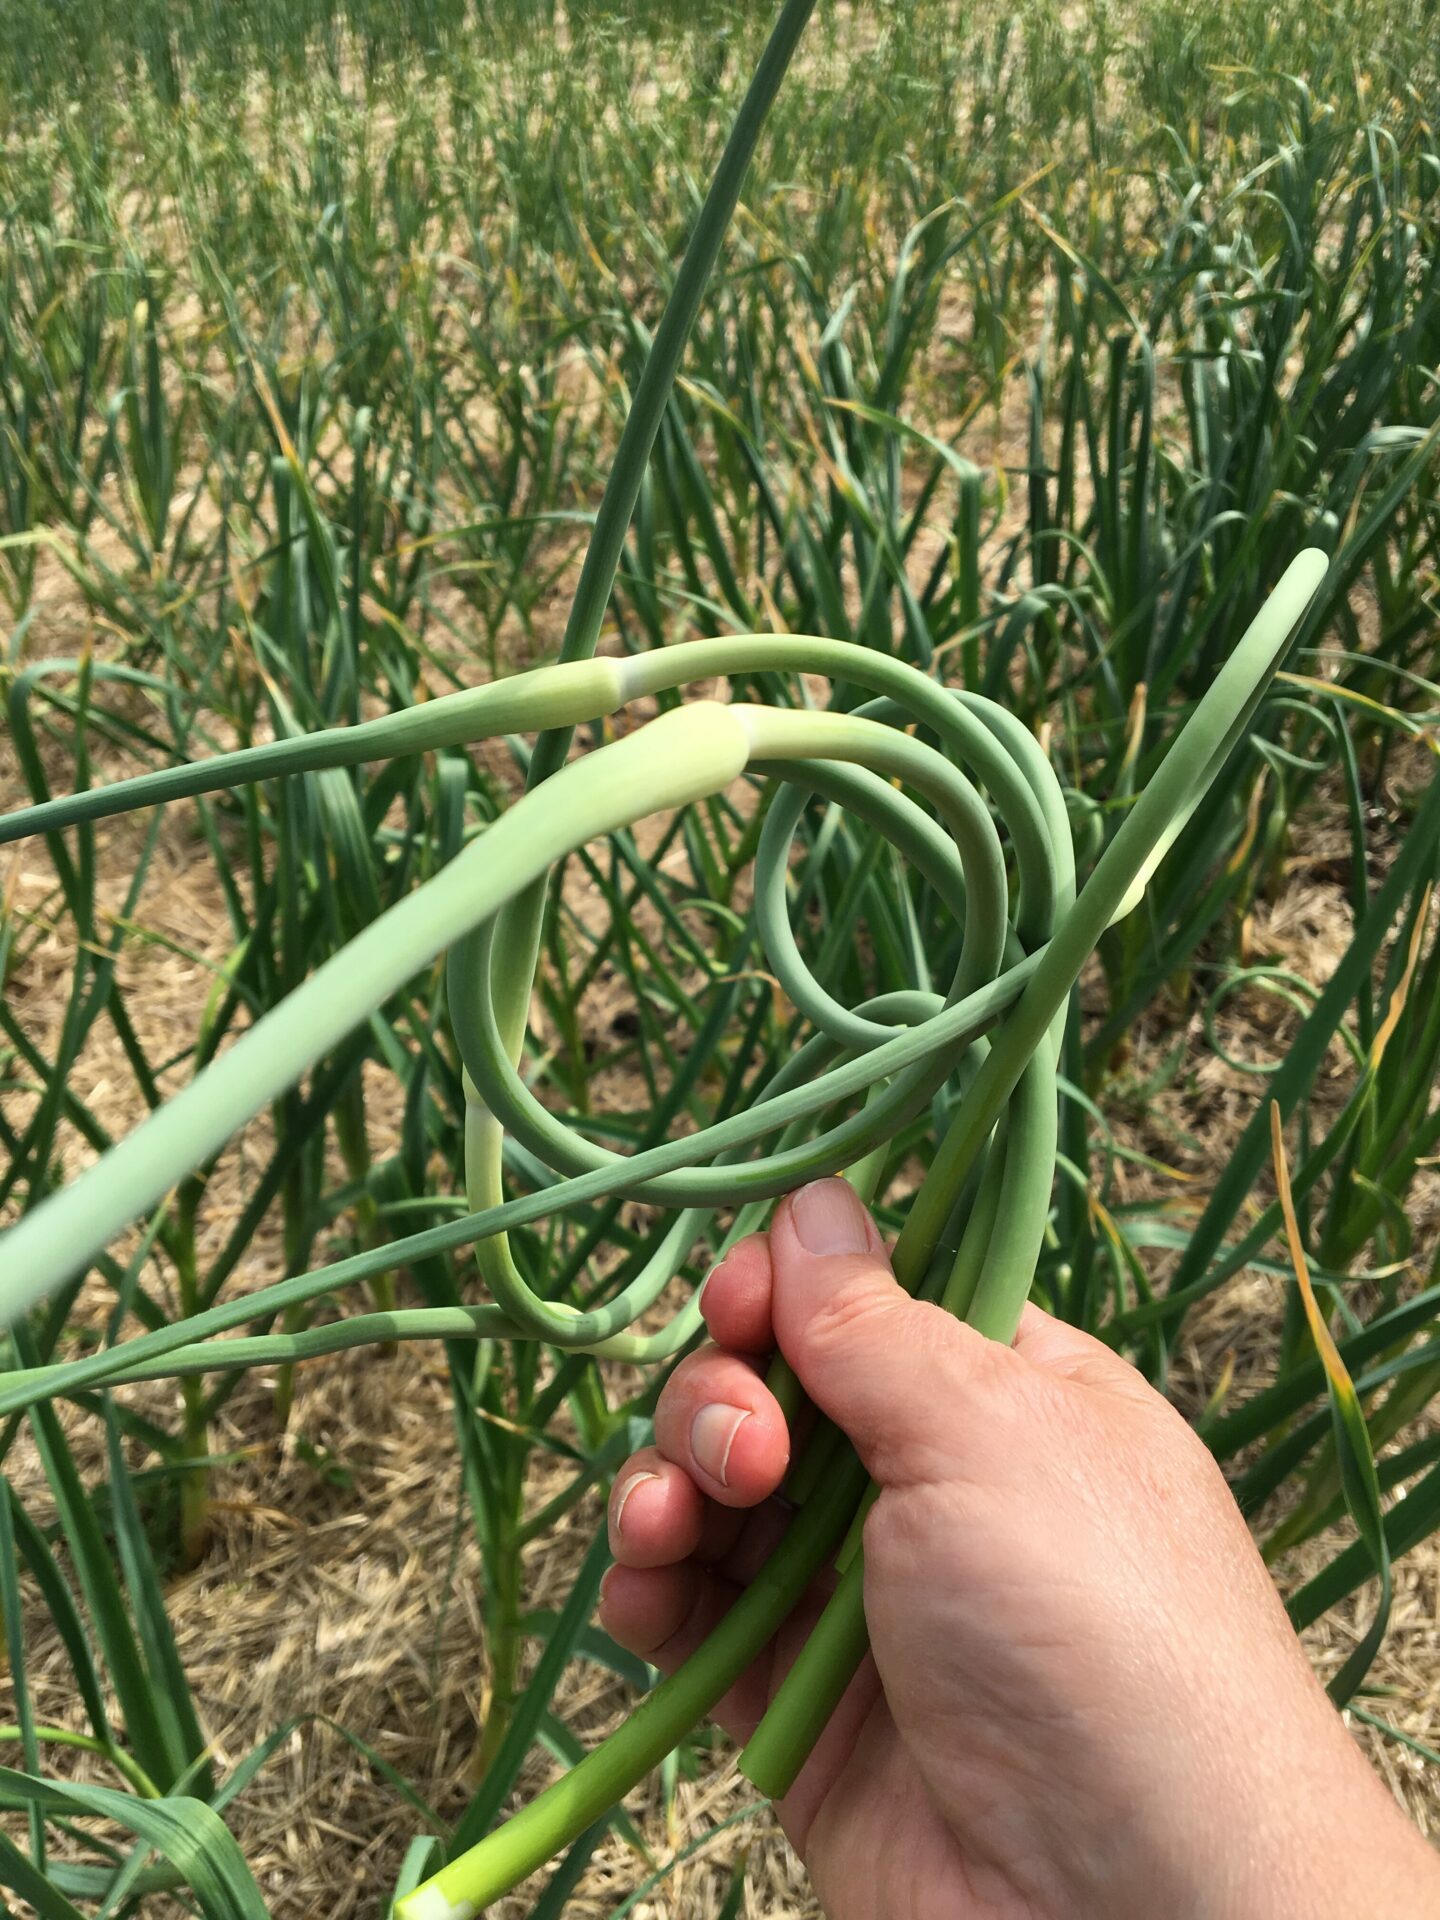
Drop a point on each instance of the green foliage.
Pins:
(1038, 348)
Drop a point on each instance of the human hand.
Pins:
(1084, 1697)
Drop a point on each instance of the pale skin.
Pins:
(1084, 1697)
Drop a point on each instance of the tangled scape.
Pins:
(974, 1229)
(969, 801)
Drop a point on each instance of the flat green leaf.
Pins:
(186, 1831)
(1359, 1481)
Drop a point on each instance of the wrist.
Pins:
(1315, 1835)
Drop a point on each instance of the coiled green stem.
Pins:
(683, 755)
(895, 1052)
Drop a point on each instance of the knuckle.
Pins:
(854, 1307)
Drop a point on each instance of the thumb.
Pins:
(888, 1369)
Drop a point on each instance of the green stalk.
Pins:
(994, 1269)
(145, 1357)
(688, 754)
(503, 1637)
(468, 1885)
(354, 1143)
(292, 1214)
(521, 924)
(1030, 1030)
(1023, 1053)
(194, 1447)
(56, 1239)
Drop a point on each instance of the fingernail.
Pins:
(829, 1218)
(627, 1487)
(712, 1435)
